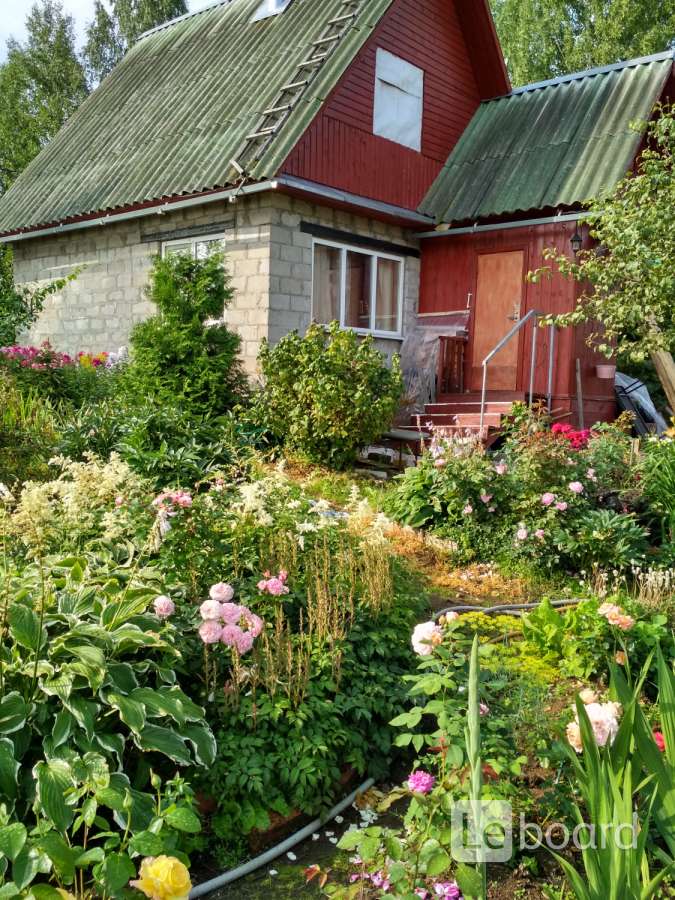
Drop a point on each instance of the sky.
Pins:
(13, 15)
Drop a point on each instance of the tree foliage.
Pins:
(41, 84)
(117, 24)
(545, 38)
(630, 272)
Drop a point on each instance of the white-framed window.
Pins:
(198, 247)
(361, 289)
(399, 100)
(270, 8)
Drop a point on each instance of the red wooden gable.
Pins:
(456, 46)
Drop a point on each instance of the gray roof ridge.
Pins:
(586, 73)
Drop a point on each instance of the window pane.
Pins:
(326, 289)
(386, 310)
(175, 249)
(357, 301)
(204, 249)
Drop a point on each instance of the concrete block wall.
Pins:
(268, 256)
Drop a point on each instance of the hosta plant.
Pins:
(88, 703)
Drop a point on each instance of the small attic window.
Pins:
(270, 8)
(399, 100)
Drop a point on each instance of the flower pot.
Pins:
(606, 372)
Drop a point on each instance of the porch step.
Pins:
(461, 412)
(464, 419)
(468, 406)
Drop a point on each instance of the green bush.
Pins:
(88, 704)
(327, 394)
(27, 433)
(161, 442)
(185, 354)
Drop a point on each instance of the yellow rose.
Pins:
(163, 878)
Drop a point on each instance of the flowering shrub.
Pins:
(560, 498)
(56, 375)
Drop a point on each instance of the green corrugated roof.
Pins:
(554, 144)
(173, 113)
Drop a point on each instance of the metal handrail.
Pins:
(532, 314)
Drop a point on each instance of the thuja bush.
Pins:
(185, 353)
(327, 394)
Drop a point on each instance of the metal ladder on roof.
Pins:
(275, 116)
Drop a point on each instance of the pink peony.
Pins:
(485, 498)
(253, 622)
(548, 498)
(561, 506)
(540, 533)
(425, 635)
(576, 487)
(231, 635)
(210, 631)
(210, 610)
(468, 509)
(522, 534)
(243, 642)
(164, 607)
(274, 585)
(421, 782)
(231, 613)
(221, 592)
(501, 468)
(604, 719)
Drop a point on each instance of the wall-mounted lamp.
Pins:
(576, 241)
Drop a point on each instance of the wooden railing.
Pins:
(450, 372)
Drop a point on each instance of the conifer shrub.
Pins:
(185, 354)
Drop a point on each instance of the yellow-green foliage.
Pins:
(509, 652)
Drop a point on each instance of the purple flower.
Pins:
(164, 607)
(421, 782)
(447, 890)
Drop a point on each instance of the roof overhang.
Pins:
(285, 183)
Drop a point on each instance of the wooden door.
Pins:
(499, 296)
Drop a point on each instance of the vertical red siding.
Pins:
(339, 148)
(449, 275)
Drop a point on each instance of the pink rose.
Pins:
(548, 498)
(222, 592)
(501, 468)
(439, 463)
(210, 631)
(230, 613)
(485, 498)
(540, 533)
(421, 782)
(164, 607)
(468, 509)
(561, 506)
(483, 709)
(522, 534)
(253, 622)
(210, 610)
(576, 487)
(243, 642)
(231, 634)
